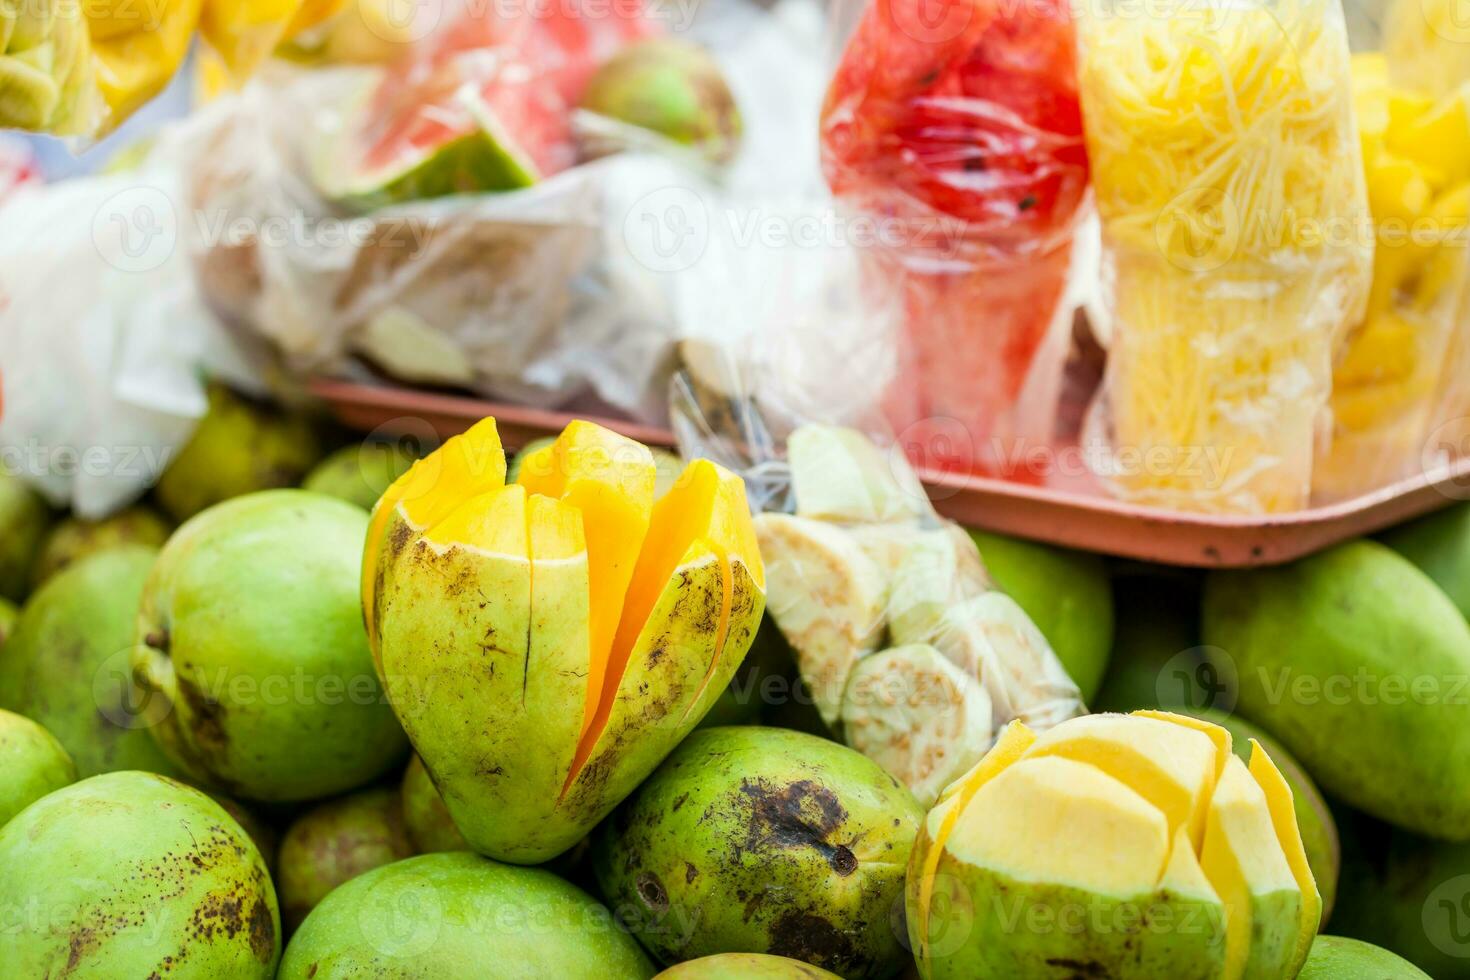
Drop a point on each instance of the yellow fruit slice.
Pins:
(1283, 817)
(1014, 740)
(1169, 765)
(133, 66)
(1439, 138)
(1224, 745)
(609, 479)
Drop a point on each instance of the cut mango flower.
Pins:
(1389, 375)
(546, 643)
(1138, 819)
(1229, 182)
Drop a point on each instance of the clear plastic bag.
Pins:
(1229, 181)
(955, 127)
(906, 646)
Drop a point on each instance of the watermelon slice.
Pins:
(484, 105)
(958, 123)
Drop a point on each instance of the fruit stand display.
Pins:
(452, 606)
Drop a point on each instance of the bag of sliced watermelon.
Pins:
(955, 126)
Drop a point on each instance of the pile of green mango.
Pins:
(202, 773)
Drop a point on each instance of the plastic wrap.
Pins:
(1229, 181)
(1390, 372)
(907, 647)
(955, 126)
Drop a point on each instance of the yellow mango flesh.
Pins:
(1243, 859)
(1283, 817)
(1224, 744)
(1168, 765)
(134, 65)
(610, 480)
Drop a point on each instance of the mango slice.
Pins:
(546, 643)
(1283, 817)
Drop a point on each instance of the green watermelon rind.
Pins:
(485, 159)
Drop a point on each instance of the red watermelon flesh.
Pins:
(959, 120)
(517, 68)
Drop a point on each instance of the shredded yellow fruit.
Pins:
(1229, 182)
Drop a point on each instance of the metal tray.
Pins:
(1071, 519)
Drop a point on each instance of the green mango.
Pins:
(240, 446)
(1066, 593)
(250, 632)
(66, 664)
(1313, 817)
(1358, 663)
(32, 764)
(359, 474)
(767, 841)
(460, 917)
(335, 842)
(1155, 661)
(9, 616)
(1407, 894)
(135, 875)
(263, 834)
(1440, 545)
(24, 518)
(1336, 958)
(747, 693)
(746, 966)
(74, 538)
(429, 824)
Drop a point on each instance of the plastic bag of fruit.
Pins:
(956, 127)
(909, 651)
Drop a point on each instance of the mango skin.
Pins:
(66, 664)
(427, 819)
(9, 614)
(24, 518)
(1356, 611)
(1313, 817)
(74, 539)
(745, 966)
(154, 878)
(335, 842)
(461, 917)
(359, 474)
(1406, 894)
(1336, 958)
(1066, 593)
(32, 764)
(762, 840)
(1440, 545)
(250, 631)
(240, 446)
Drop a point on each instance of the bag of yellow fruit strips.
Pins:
(1230, 188)
(906, 647)
(81, 69)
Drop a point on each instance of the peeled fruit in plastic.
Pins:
(335, 842)
(32, 764)
(577, 628)
(827, 596)
(24, 518)
(1440, 545)
(1350, 658)
(1131, 822)
(359, 474)
(921, 718)
(1313, 817)
(66, 666)
(1066, 593)
(427, 819)
(250, 633)
(460, 917)
(762, 840)
(1336, 958)
(746, 966)
(673, 88)
(840, 475)
(155, 880)
(240, 446)
(75, 538)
